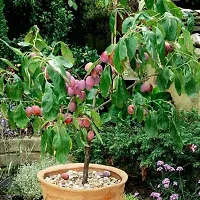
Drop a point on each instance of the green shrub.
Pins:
(54, 18)
(129, 147)
(25, 183)
(3, 30)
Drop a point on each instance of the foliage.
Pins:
(44, 90)
(82, 56)
(94, 15)
(129, 147)
(25, 183)
(3, 30)
(54, 18)
(130, 197)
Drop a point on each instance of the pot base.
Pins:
(53, 192)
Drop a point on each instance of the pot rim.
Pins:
(71, 166)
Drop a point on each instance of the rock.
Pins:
(196, 39)
(95, 180)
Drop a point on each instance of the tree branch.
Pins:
(128, 88)
(86, 164)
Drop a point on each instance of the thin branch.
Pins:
(128, 88)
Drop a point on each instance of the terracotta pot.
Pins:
(53, 192)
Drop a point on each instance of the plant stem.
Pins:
(86, 164)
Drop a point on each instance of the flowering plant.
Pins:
(40, 89)
(173, 187)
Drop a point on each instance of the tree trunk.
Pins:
(86, 164)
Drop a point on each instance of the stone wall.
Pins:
(16, 151)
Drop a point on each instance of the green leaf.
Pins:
(9, 64)
(174, 10)
(131, 45)
(139, 99)
(15, 89)
(160, 45)
(150, 41)
(119, 55)
(120, 95)
(20, 117)
(58, 63)
(190, 85)
(170, 26)
(160, 7)
(50, 106)
(151, 125)
(1, 84)
(164, 79)
(80, 139)
(190, 22)
(140, 114)
(66, 53)
(149, 4)
(176, 136)
(4, 110)
(11, 121)
(188, 41)
(124, 2)
(37, 125)
(43, 143)
(47, 142)
(122, 50)
(110, 49)
(96, 118)
(178, 87)
(33, 37)
(15, 50)
(62, 144)
(97, 133)
(112, 21)
(105, 82)
(162, 121)
(59, 86)
(127, 24)
(24, 44)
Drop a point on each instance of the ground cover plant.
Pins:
(41, 89)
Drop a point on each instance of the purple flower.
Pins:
(199, 193)
(158, 186)
(159, 169)
(175, 183)
(174, 197)
(155, 195)
(179, 169)
(167, 167)
(198, 181)
(171, 169)
(136, 194)
(166, 185)
(166, 181)
(159, 198)
(160, 163)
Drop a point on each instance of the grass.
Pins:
(130, 197)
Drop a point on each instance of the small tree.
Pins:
(43, 91)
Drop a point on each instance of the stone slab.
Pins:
(16, 159)
(20, 145)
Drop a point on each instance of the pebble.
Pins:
(95, 180)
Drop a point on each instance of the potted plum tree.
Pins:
(42, 89)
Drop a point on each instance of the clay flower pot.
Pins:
(53, 192)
